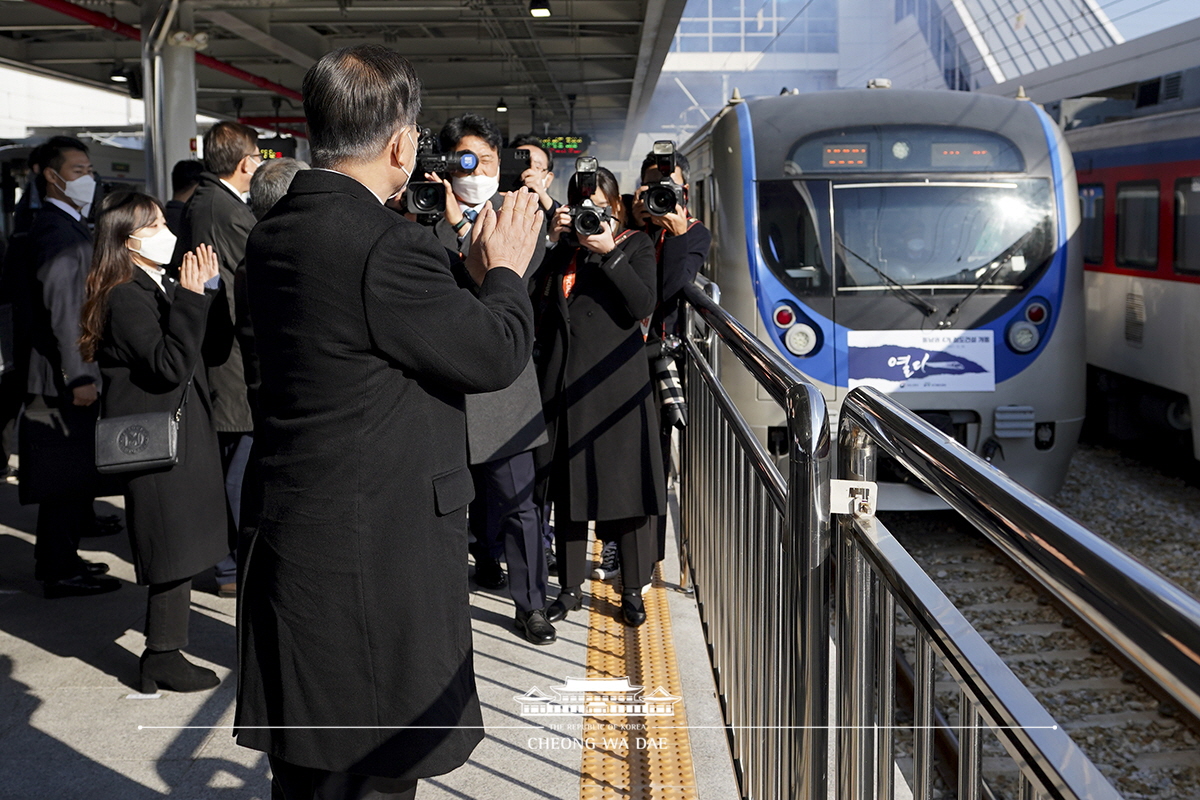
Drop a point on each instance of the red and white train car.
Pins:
(1139, 190)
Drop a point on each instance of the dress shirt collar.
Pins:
(381, 200)
(156, 274)
(75, 213)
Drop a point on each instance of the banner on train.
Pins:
(922, 361)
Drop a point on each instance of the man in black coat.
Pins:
(60, 384)
(355, 671)
(504, 427)
(217, 215)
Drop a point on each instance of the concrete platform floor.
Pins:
(72, 726)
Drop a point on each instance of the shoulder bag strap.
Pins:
(183, 397)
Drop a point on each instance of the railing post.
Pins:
(710, 341)
(856, 658)
(808, 564)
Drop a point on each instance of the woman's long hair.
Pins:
(606, 182)
(121, 213)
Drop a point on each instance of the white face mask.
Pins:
(475, 188)
(157, 247)
(80, 191)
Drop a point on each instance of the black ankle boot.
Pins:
(566, 601)
(633, 608)
(172, 671)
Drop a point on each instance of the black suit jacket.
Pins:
(62, 255)
(510, 421)
(216, 216)
(366, 345)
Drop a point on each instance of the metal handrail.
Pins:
(764, 365)
(1141, 613)
(782, 738)
(760, 459)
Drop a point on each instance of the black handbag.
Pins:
(140, 442)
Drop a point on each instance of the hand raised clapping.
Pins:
(199, 267)
(507, 238)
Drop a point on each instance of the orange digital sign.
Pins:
(845, 156)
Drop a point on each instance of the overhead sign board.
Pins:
(566, 144)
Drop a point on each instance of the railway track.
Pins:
(1141, 745)
(1145, 747)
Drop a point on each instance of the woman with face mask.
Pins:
(153, 337)
(603, 462)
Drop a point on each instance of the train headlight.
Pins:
(1023, 336)
(800, 339)
(1036, 312)
(784, 316)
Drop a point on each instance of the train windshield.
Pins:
(943, 236)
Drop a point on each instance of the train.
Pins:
(1139, 192)
(921, 242)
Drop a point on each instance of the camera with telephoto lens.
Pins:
(427, 199)
(587, 219)
(666, 195)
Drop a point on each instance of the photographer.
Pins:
(601, 463)
(681, 244)
(503, 427)
(540, 173)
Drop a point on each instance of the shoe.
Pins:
(610, 564)
(564, 603)
(79, 586)
(172, 671)
(536, 628)
(227, 590)
(633, 609)
(92, 567)
(489, 574)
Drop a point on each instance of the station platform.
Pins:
(72, 725)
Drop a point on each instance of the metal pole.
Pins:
(923, 694)
(808, 570)
(156, 19)
(856, 462)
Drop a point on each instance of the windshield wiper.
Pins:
(910, 297)
(990, 273)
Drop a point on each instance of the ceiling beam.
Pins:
(662, 20)
(250, 33)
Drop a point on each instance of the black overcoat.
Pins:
(354, 600)
(596, 383)
(176, 517)
(62, 248)
(218, 217)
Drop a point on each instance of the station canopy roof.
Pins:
(595, 61)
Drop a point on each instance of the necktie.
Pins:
(471, 214)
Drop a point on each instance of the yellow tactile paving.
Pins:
(642, 756)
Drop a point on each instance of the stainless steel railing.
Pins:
(758, 550)
(1144, 616)
(759, 557)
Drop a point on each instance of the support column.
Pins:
(169, 78)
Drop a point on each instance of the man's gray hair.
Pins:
(270, 182)
(355, 99)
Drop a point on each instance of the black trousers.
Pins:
(635, 549)
(60, 523)
(167, 609)
(291, 782)
(505, 513)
